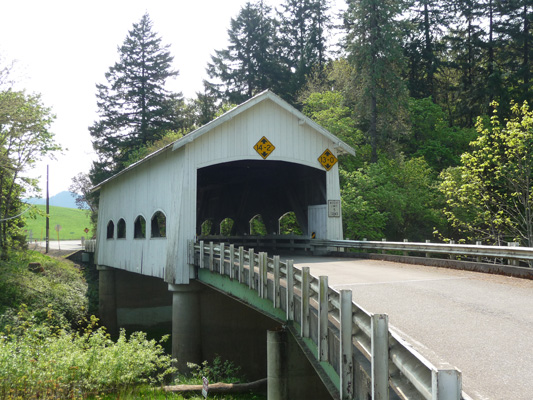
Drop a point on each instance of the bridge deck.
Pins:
(481, 324)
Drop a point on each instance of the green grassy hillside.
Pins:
(72, 221)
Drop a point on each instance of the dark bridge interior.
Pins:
(242, 189)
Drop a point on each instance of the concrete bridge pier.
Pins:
(186, 326)
(107, 305)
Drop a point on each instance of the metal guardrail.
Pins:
(322, 315)
(512, 253)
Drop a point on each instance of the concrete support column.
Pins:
(107, 301)
(277, 364)
(186, 332)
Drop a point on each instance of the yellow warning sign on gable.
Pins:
(264, 148)
(327, 159)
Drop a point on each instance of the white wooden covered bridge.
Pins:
(262, 157)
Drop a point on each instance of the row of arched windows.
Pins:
(158, 227)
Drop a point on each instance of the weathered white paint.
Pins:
(167, 179)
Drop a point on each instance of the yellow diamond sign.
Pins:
(327, 160)
(264, 148)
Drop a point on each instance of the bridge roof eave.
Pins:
(340, 146)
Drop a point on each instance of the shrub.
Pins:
(41, 360)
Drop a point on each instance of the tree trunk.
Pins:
(257, 386)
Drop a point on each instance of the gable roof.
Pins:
(340, 146)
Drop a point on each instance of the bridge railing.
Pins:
(512, 253)
(332, 326)
(89, 246)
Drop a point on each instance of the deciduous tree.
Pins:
(490, 195)
(25, 138)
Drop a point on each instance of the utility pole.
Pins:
(47, 214)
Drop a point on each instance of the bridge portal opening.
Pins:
(241, 190)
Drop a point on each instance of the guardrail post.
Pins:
(261, 274)
(241, 264)
(515, 261)
(452, 257)
(346, 346)
(265, 275)
(428, 255)
(201, 254)
(405, 253)
(211, 256)
(511, 261)
(305, 302)
(232, 261)
(380, 356)
(446, 384)
(383, 251)
(276, 297)
(290, 290)
(222, 256)
(323, 308)
(478, 243)
(251, 264)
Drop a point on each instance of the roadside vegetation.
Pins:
(51, 346)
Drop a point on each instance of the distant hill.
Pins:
(63, 199)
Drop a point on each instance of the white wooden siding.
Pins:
(167, 182)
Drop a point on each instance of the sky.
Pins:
(63, 48)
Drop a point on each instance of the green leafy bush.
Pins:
(61, 284)
(44, 360)
(217, 371)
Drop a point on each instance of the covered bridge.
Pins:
(262, 157)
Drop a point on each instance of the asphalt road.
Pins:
(482, 324)
(61, 245)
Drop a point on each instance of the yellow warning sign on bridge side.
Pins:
(264, 148)
(327, 159)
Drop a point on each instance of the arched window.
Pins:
(139, 228)
(110, 230)
(159, 225)
(121, 229)
(288, 224)
(226, 226)
(257, 226)
(206, 227)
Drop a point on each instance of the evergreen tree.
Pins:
(374, 48)
(516, 47)
(467, 50)
(134, 107)
(252, 62)
(303, 35)
(423, 46)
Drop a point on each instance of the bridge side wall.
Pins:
(167, 184)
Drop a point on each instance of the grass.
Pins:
(72, 222)
(61, 284)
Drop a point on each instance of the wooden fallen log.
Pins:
(256, 386)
